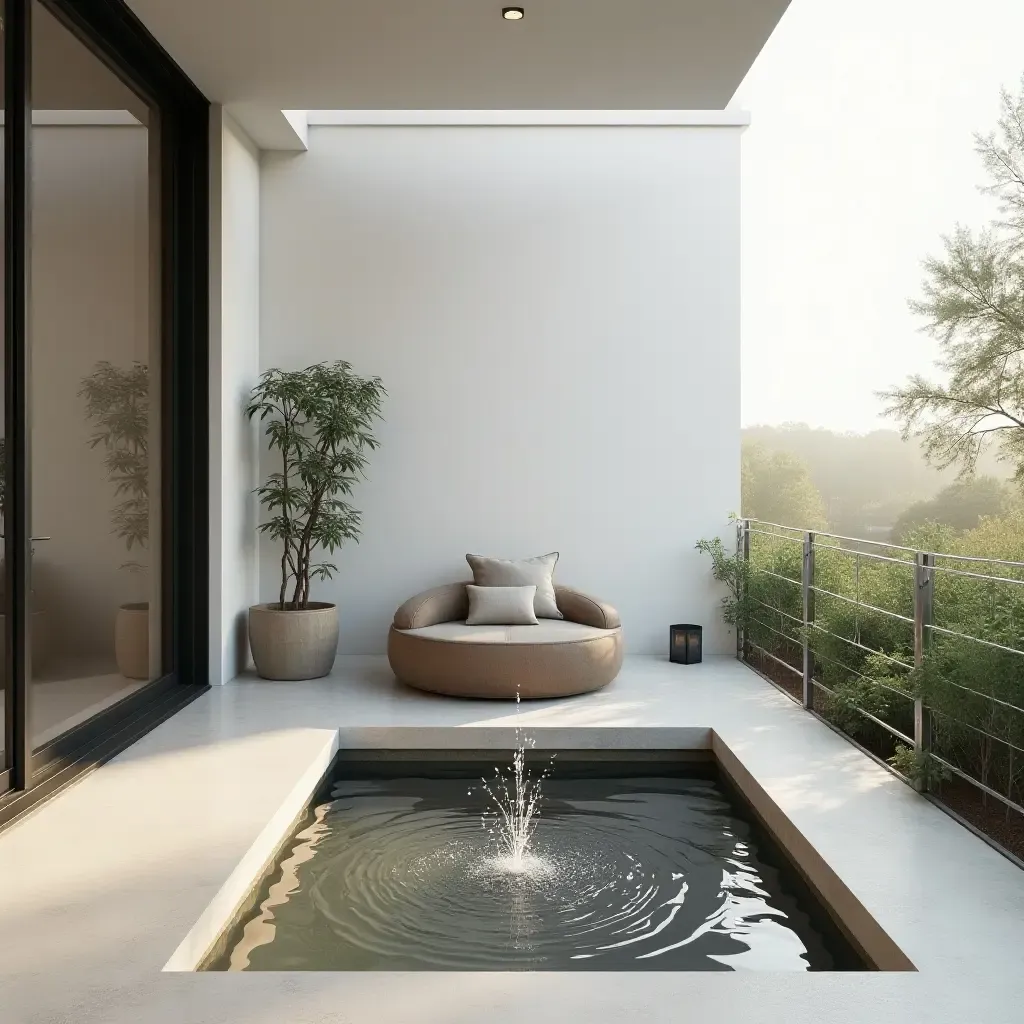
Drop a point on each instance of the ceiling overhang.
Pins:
(461, 54)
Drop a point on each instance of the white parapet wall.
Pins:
(552, 300)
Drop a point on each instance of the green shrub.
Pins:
(918, 767)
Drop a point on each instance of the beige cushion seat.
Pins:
(431, 647)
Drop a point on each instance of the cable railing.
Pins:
(918, 656)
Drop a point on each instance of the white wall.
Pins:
(555, 313)
(234, 354)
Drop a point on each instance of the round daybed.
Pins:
(431, 647)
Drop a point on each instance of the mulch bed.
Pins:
(784, 679)
(1000, 823)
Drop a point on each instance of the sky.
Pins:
(859, 157)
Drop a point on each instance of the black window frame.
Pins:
(112, 32)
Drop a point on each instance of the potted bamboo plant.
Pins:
(117, 404)
(317, 424)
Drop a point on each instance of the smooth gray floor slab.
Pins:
(101, 889)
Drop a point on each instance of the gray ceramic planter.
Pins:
(293, 644)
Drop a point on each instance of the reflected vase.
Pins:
(131, 640)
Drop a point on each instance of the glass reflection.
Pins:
(93, 353)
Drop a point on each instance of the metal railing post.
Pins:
(924, 596)
(739, 592)
(807, 591)
(743, 548)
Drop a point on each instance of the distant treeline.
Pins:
(868, 484)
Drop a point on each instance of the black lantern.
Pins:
(684, 643)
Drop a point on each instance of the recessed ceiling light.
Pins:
(512, 13)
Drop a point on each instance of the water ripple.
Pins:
(627, 874)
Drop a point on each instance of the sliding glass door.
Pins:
(93, 340)
(104, 450)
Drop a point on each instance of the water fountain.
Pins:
(516, 805)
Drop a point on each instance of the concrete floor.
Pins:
(134, 869)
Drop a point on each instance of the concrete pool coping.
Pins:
(875, 945)
(140, 865)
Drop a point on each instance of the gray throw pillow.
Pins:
(501, 606)
(506, 572)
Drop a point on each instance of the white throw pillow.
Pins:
(501, 606)
(506, 572)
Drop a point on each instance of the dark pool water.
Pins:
(650, 871)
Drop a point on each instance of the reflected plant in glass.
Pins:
(117, 406)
